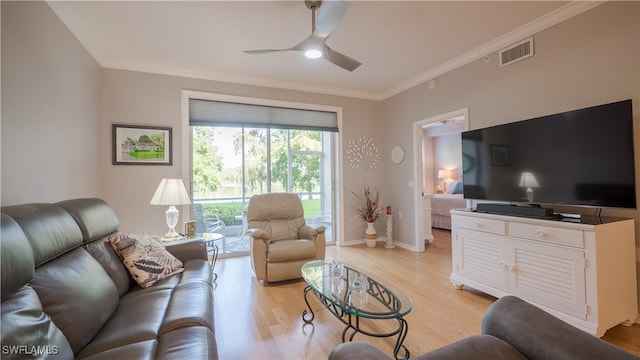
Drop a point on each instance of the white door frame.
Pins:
(418, 178)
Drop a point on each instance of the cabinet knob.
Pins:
(541, 234)
(477, 224)
(502, 264)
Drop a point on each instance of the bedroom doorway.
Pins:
(425, 173)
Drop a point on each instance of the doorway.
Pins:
(425, 174)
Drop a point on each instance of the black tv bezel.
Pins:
(521, 202)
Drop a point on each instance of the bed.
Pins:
(441, 204)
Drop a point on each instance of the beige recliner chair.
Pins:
(281, 241)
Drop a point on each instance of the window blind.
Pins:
(220, 113)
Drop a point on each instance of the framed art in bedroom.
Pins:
(141, 145)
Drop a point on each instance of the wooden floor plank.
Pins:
(254, 321)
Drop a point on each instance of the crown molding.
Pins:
(557, 16)
(237, 79)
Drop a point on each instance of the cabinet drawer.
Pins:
(480, 224)
(570, 237)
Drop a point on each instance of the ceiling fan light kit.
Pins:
(314, 46)
(313, 53)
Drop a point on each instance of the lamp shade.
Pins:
(528, 180)
(445, 174)
(170, 192)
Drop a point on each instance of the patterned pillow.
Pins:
(145, 257)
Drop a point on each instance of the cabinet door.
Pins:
(551, 276)
(480, 258)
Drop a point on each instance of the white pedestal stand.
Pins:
(389, 243)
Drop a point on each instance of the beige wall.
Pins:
(148, 99)
(50, 124)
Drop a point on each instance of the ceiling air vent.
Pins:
(516, 52)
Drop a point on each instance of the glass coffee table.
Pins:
(352, 294)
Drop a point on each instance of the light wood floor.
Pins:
(254, 321)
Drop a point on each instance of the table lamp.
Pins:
(527, 180)
(171, 192)
(446, 177)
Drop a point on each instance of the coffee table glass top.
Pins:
(355, 290)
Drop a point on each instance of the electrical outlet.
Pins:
(400, 216)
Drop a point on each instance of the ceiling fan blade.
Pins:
(331, 12)
(341, 60)
(265, 51)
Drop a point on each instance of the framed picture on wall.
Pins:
(500, 155)
(141, 145)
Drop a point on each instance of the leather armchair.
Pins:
(281, 241)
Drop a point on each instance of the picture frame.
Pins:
(142, 145)
(190, 228)
(500, 155)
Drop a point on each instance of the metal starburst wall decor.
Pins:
(362, 153)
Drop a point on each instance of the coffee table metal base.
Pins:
(352, 322)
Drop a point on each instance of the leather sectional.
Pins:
(66, 294)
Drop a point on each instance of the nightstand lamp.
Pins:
(171, 192)
(528, 180)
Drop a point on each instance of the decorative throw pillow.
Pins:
(145, 257)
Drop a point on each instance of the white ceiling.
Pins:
(400, 43)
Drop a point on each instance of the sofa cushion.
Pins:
(140, 351)
(107, 257)
(138, 318)
(51, 231)
(95, 217)
(78, 295)
(172, 345)
(26, 329)
(146, 258)
(97, 220)
(476, 347)
(17, 257)
(191, 305)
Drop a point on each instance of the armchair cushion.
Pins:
(286, 250)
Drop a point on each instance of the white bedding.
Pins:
(441, 204)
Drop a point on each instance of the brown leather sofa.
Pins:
(281, 241)
(66, 294)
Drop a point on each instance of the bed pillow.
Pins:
(451, 187)
(459, 189)
(145, 257)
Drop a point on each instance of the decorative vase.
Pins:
(370, 235)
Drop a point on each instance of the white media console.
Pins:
(582, 271)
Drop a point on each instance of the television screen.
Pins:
(583, 157)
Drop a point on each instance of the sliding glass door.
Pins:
(230, 164)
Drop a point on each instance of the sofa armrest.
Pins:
(187, 249)
(539, 335)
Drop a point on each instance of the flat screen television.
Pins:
(583, 157)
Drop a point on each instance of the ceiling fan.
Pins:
(314, 46)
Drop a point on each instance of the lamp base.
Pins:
(172, 235)
(172, 220)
